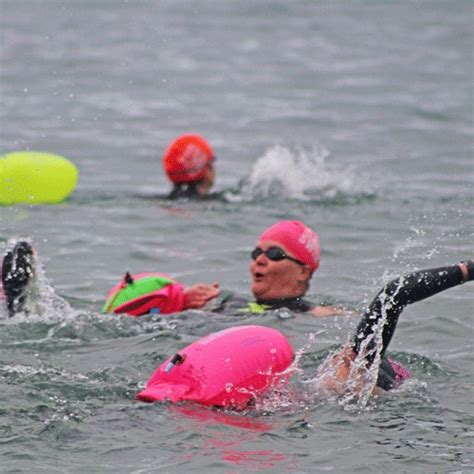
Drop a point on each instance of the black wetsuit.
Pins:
(189, 191)
(17, 271)
(390, 302)
(234, 304)
(185, 190)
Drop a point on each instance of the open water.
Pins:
(354, 116)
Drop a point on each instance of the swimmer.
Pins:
(379, 322)
(214, 370)
(189, 164)
(283, 262)
(17, 274)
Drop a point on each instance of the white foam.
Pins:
(305, 174)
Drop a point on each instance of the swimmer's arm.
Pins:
(199, 295)
(337, 371)
(400, 292)
(390, 301)
(322, 311)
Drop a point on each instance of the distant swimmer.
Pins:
(189, 164)
(17, 274)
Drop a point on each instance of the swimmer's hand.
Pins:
(467, 270)
(197, 296)
(338, 375)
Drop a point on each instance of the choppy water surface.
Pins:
(355, 117)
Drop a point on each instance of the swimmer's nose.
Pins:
(262, 259)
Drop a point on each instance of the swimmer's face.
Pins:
(277, 279)
(208, 180)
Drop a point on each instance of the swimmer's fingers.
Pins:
(214, 291)
(467, 270)
(206, 291)
(197, 296)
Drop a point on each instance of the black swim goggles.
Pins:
(275, 254)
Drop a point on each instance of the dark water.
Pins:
(355, 117)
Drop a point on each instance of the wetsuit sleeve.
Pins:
(393, 297)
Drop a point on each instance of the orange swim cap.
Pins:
(186, 158)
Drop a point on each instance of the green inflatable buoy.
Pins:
(34, 177)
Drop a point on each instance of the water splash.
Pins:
(286, 396)
(303, 174)
(42, 304)
(341, 378)
(45, 297)
(360, 383)
(42, 299)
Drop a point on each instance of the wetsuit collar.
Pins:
(295, 303)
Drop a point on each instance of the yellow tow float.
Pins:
(34, 177)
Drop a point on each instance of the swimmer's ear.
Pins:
(305, 272)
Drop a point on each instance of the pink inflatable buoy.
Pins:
(228, 368)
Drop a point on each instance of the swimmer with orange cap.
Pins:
(189, 164)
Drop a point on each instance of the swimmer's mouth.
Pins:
(258, 276)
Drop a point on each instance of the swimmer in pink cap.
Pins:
(283, 262)
(286, 255)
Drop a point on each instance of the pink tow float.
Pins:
(229, 368)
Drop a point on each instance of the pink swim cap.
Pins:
(298, 239)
